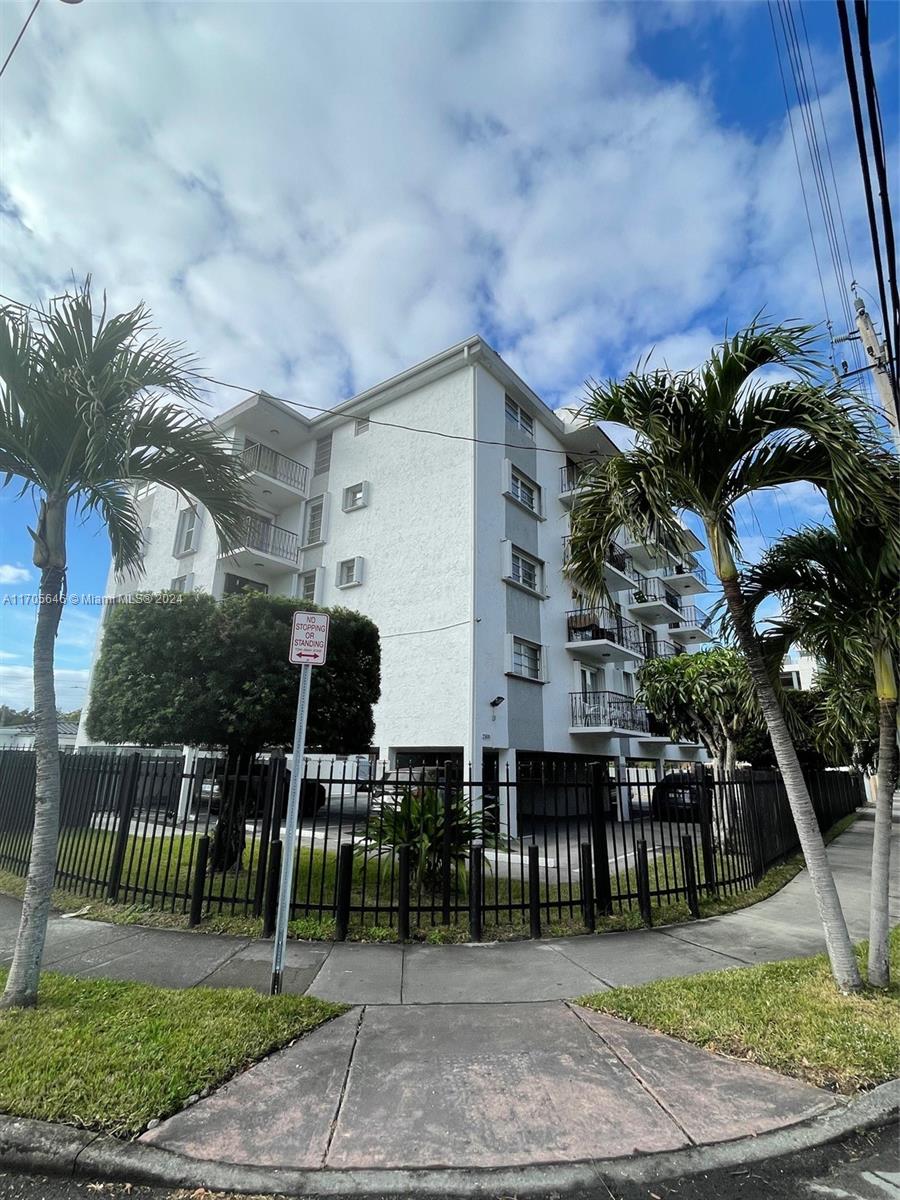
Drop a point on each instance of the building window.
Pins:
(315, 512)
(527, 493)
(308, 586)
(323, 455)
(355, 496)
(526, 570)
(361, 426)
(519, 417)
(349, 572)
(187, 532)
(238, 583)
(526, 659)
(181, 583)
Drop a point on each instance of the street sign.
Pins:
(309, 639)
(309, 647)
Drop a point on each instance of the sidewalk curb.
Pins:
(43, 1148)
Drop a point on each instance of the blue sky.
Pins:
(314, 196)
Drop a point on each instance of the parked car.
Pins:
(678, 796)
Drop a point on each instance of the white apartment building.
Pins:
(454, 546)
(799, 671)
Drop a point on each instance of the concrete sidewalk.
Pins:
(461, 1070)
(784, 926)
(480, 1086)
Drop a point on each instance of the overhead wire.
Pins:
(15, 44)
(803, 93)
(853, 87)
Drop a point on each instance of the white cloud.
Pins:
(17, 687)
(395, 178)
(11, 574)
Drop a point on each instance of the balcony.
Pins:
(262, 545)
(607, 713)
(654, 602)
(600, 633)
(275, 480)
(618, 570)
(685, 577)
(693, 626)
(655, 647)
(570, 481)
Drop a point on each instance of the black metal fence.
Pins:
(563, 844)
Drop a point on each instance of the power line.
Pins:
(414, 632)
(853, 86)
(812, 236)
(19, 38)
(876, 133)
(300, 404)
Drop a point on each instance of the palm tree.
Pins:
(704, 441)
(84, 413)
(840, 597)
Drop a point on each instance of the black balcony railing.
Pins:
(693, 617)
(268, 538)
(257, 457)
(654, 647)
(691, 567)
(607, 710)
(602, 624)
(615, 556)
(654, 589)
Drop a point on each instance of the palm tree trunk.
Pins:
(844, 966)
(50, 549)
(879, 896)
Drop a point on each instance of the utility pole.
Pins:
(878, 364)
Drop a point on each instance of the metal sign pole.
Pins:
(290, 834)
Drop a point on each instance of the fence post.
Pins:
(690, 874)
(128, 785)
(476, 875)
(344, 884)
(534, 890)
(643, 881)
(199, 881)
(447, 846)
(273, 879)
(707, 839)
(759, 865)
(403, 893)
(273, 777)
(602, 881)
(587, 888)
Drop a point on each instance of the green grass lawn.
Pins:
(109, 1055)
(785, 1015)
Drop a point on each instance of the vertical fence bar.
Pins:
(344, 884)
(587, 887)
(534, 890)
(199, 881)
(270, 909)
(689, 874)
(643, 881)
(476, 877)
(599, 787)
(707, 837)
(128, 785)
(271, 814)
(446, 848)
(403, 893)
